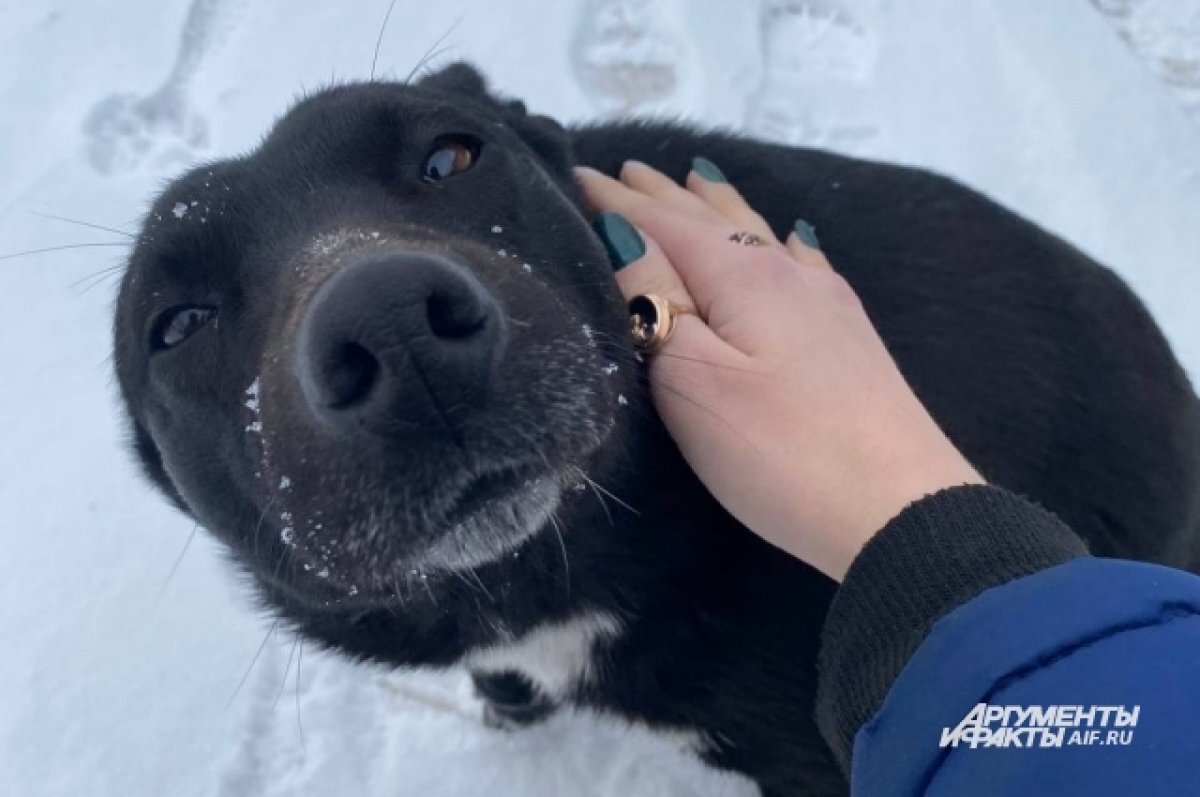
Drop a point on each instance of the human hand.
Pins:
(778, 390)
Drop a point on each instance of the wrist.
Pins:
(882, 493)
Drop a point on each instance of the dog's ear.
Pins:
(542, 134)
(458, 78)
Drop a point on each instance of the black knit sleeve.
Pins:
(936, 555)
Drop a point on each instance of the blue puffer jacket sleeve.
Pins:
(1024, 668)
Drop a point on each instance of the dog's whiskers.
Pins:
(258, 526)
(399, 596)
(537, 449)
(61, 248)
(178, 560)
(433, 51)
(97, 278)
(596, 486)
(104, 363)
(595, 492)
(680, 394)
(379, 38)
(424, 579)
(287, 668)
(253, 661)
(81, 223)
(434, 56)
(299, 723)
(562, 546)
(462, 577)
(711, 363)
(479, 581)
(612, 347)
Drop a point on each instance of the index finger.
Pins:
(640, 263)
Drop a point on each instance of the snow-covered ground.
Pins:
(120, 671)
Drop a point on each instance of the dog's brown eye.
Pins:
(449, 156)
(178, 324)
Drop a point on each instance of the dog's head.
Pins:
(384, 343)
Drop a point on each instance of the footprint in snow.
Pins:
(633, 56)
(1166, 35)
(819, 65)
(124, 130)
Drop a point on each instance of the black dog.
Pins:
(383, 359)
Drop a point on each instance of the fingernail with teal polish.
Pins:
(619, 237)
(806, 233)
(708, 170)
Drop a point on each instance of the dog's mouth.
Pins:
(489, 490)
(492, 516)
(369, 545)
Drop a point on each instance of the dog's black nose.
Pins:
(398, 341)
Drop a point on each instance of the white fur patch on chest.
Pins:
(556, 657)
